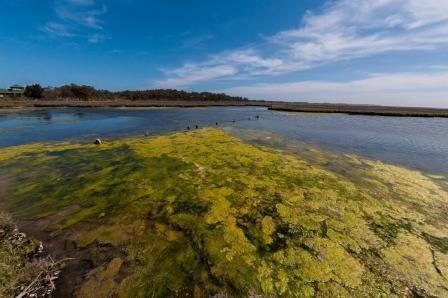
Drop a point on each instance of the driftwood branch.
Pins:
(44, 281)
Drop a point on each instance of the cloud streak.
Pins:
(409, 89)
(78, 19)
(342, 30)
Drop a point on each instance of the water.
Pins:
(421, 143)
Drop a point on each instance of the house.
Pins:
(13, 91)
(17, 89)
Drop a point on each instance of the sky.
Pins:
(388, 52)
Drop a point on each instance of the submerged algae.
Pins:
(204, 213)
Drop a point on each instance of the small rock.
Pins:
(40, 248)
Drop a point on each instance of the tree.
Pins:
(84, 92)
(34, 91)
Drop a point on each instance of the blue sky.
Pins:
(358, 51)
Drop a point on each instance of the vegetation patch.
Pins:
(203, 213)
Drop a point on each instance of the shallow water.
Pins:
(421, 143)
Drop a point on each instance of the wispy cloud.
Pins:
(81, 2)
(196, 42)
(191, 73)
(78, 18)
(57, 29)
(342, 30)
(83, 15)
(408, 88)
(96, 38)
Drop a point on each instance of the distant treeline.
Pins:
(83, 92)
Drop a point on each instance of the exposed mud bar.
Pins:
(368, 110)
(78, 261)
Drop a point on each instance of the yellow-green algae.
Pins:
(204, 213)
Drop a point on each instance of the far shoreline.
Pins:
(302, 107)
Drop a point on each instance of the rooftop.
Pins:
(16, 86)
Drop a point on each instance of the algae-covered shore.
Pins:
(205, 213)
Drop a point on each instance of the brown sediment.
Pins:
(81, 261)
(40, 227)
(4, 182)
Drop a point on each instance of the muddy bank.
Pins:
(360, 110)
(43, 249)
(79, 261)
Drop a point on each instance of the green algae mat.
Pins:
(204, 213)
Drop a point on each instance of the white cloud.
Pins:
(191, 73)
(344, 29)
(352, 29)
(78, 18)
(79, 14)
(82, 2)
(196, 42)
(96, 38)
(409, 89)
(238, 64)
(57, 29)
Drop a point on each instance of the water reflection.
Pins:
(421, 143)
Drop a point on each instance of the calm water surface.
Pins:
(421, 143)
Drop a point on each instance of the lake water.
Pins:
(421, 143)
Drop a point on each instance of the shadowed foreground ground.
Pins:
(204, 213)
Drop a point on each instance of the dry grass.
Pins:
(360, 110)
(24, 270)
